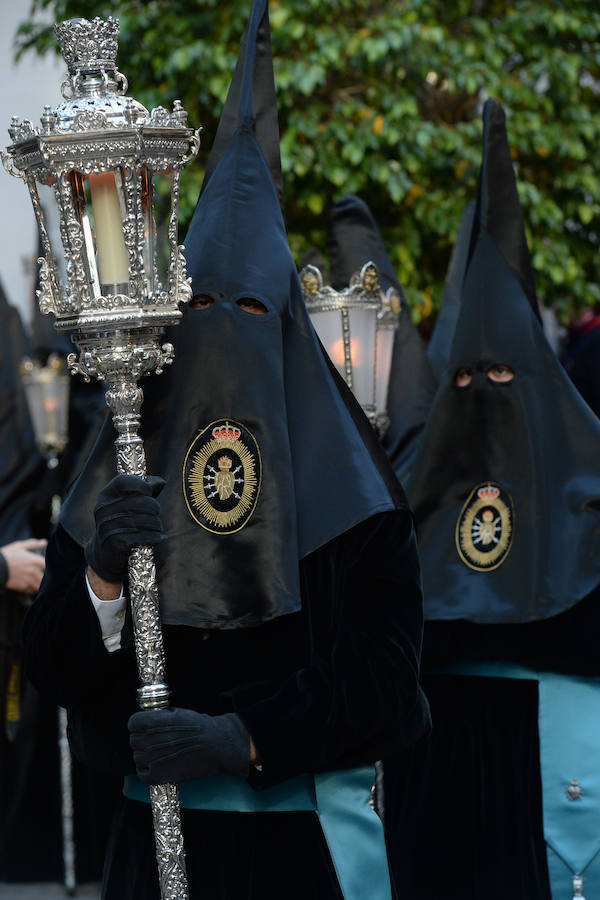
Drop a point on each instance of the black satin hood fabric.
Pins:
(438, 348)
(530, 446)
(315, 473)
(354, 239)
(498, 209)
(263, 104)
(21, 464)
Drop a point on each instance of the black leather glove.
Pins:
(172, 745)
(127, 515)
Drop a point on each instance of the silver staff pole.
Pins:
(98, 155)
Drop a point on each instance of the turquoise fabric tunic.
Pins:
(569, 732)
(351, 827)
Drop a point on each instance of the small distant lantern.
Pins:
(47, 393)
(356, 326)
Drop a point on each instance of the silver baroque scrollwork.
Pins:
(9, 165)
(90, 121)
(144, 605)
(88, 45)
(194, 147)
(27, 161)
(130, 458)
(133, 230)
(181, 285)
(77, 368)
(169, 846)
(151, 667)
(73, 243)
(22, 130)
(166, 357)
(45, 294)
(162, 117)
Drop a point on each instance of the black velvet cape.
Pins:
(331, 686)
(466, 821)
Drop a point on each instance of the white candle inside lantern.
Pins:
(110, 243)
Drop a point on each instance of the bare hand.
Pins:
(25, 568)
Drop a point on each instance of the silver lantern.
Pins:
(356, 326)
(47, 393)
(99, 155)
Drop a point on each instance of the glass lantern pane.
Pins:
(385, 347)
(328, 326)
(82, 203)
(147, 199)
(362, 352)
(162, 184)
(52, 222)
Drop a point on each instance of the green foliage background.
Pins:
(383, 99)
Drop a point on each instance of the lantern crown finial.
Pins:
(89, 46)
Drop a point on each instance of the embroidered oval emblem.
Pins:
(484, 529)
(222, 474)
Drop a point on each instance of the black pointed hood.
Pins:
(506, 489)
(498, 211)
(354, 239)
(438, 349)
(262, 102)
(257, 441)
(21, 464)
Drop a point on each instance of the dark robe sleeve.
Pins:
(66, 659)
(359, 697)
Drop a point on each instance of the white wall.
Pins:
(25, 88)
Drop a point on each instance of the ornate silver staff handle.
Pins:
(122, 366)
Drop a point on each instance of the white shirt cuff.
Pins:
(111, 615)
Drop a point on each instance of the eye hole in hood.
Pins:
(252, 306)
(201, 301)
(499, 373)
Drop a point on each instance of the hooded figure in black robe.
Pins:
(30, 779)
(506, 494)
(280, 513)
(353, 240)
(27, 726)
